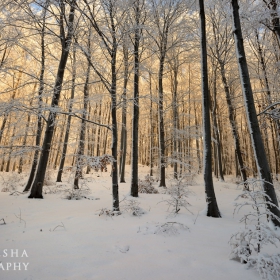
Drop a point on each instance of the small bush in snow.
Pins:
(12, 181)
(5, 189)
(170, 228)
(76, 194)
(268, 266)
(108, 213)
(178, 193)
(132, 206)
(248, 244)
(146, 185)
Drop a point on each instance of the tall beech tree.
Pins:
(81, 146)
(40, 24)
(252, 121)
(66, 35)
(166, 15)
(212, 206)
(124, 111)
(138, 19)
(68, 122)
(109, 13)
(221, 51)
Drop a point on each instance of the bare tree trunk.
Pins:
(234, 128)
(217, 143)
(81, 147)
(161, 123)
(135, 119)
(68, 122)
(58, 153)
(24, 144)
(151, 127)
(175, 121)
(3, 126)
(266, 84)
(37, 186)
(40, 93)
(197, 140)
(212, 206)
(10, 150)
(257, 143)
(98, 133)
(106, 133)
(124, 109)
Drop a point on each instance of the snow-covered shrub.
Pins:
(247, 245)
(132, 206)
(6, 189)
(178, 196)
(146, 185)
(108, 213)
(76, 194)
(98, 162)
(170, 228)
(56, 188)
(268, 266)
(11, 181)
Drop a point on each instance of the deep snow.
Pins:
(67, 239)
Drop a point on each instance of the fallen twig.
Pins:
(20, 219)
(16, 192)
(59, 226)
(196, 218)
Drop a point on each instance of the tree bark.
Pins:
(68, 123)
(161, 118)
(234, 128)
(135, 119)
(124, 109)
(212, 206)
(175, 121)
(257, 143)
(81, 148)
(151, 127)
(37, 186)
(217, 142)
(40, 93)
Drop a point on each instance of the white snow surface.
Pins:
(68, 240)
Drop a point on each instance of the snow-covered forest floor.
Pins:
(69, 239)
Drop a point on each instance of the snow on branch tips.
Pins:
(96, 162)
(249, 245)
(179, 193)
